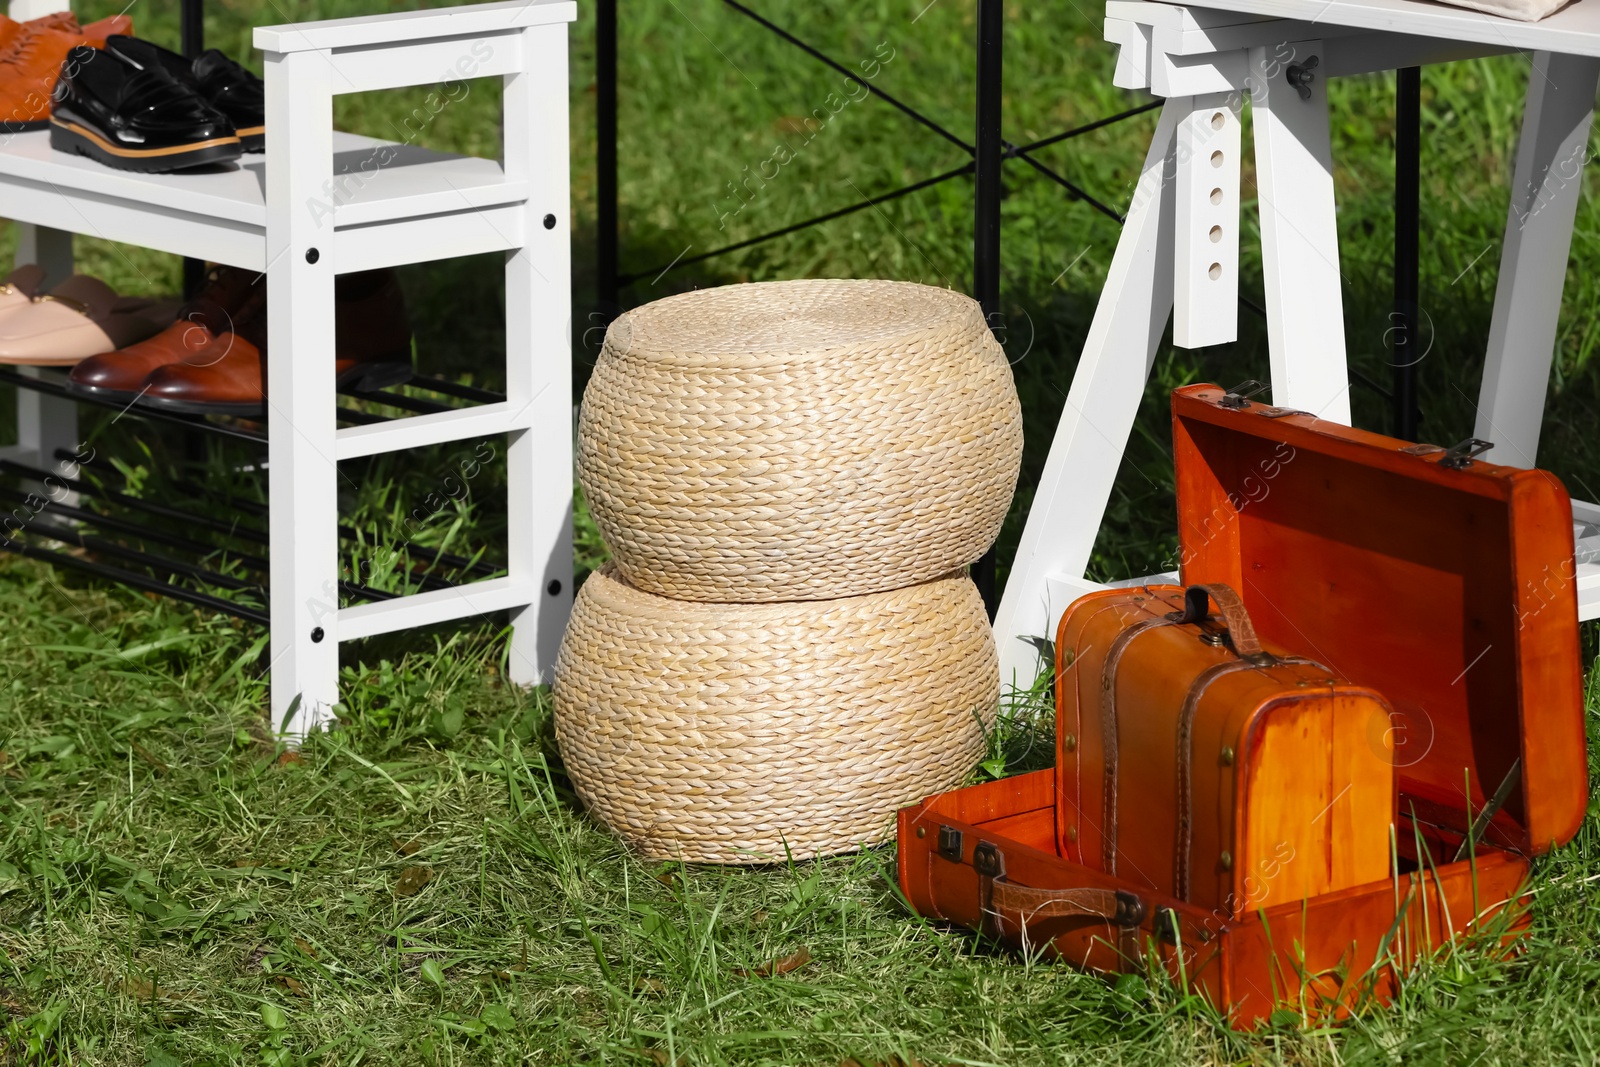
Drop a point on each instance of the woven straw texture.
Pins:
(799, 440)
(724, 733)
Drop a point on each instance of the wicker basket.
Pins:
(736, 733)
(799, 440)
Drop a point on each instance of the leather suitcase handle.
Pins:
(1241, 630)
(1029, 904)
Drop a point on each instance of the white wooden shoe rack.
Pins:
(321, 203)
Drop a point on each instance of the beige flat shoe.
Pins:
(79, 318)
(20, 287)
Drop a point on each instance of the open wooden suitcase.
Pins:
(1428, 593)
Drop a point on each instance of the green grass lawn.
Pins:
(420, 886)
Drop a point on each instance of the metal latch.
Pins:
(1461, 456)
(950, 843)
(1130, 909)
(1166, 925)
(1239, 396)
(988, 861)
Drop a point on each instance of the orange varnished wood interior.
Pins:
(1449, 591)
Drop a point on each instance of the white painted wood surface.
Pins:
(539, 460)
(1299, 233)
(409, 210)
(1574, 30)
(23, 10)
(303, 474)
(221, 215)
(1205, 262)
(46, 424)
(1545, 189)
(471, 20)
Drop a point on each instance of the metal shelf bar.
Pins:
(158, 563)
(243, 533)
(133, 529)
(135, 580)
(346, 533)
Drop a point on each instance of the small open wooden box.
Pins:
(1445, 583)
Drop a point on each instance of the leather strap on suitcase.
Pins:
(1006, 903)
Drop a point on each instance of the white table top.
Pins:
(1575, 29)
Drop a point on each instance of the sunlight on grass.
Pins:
(422, 887)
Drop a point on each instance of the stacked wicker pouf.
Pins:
(791, 478)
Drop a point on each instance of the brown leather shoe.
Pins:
(11, 29)
(372, 346)
(232, 299)
(30, 65)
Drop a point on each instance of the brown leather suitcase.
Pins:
(1441, 582)
(1199, 763)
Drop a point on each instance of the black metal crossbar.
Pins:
(1008, 151)
(893, 101)
(347, 534)
(40, 519)
(138, 580)
(906, 190)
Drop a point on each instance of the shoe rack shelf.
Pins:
(221, 215)
(321, 203)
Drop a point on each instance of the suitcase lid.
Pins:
(1445, 582)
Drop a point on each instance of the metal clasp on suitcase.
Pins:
(1461, 456)
(950, 843)
(1239, 396)
(1458, 458)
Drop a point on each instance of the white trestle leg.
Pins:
(1098, 417)
(1299, 232)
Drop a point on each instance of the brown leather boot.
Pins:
(372, 350)
(30, 65)
(232, 299)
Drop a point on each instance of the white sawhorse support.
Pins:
(1178, 253)
(527, 215)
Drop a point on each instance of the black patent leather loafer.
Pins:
(137, 118)
(226, 86)
(237, 93)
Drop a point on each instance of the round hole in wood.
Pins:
(1216, 196)
(1216, 271)
(1216, 158)
(1216, 234)
(1217, 120)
